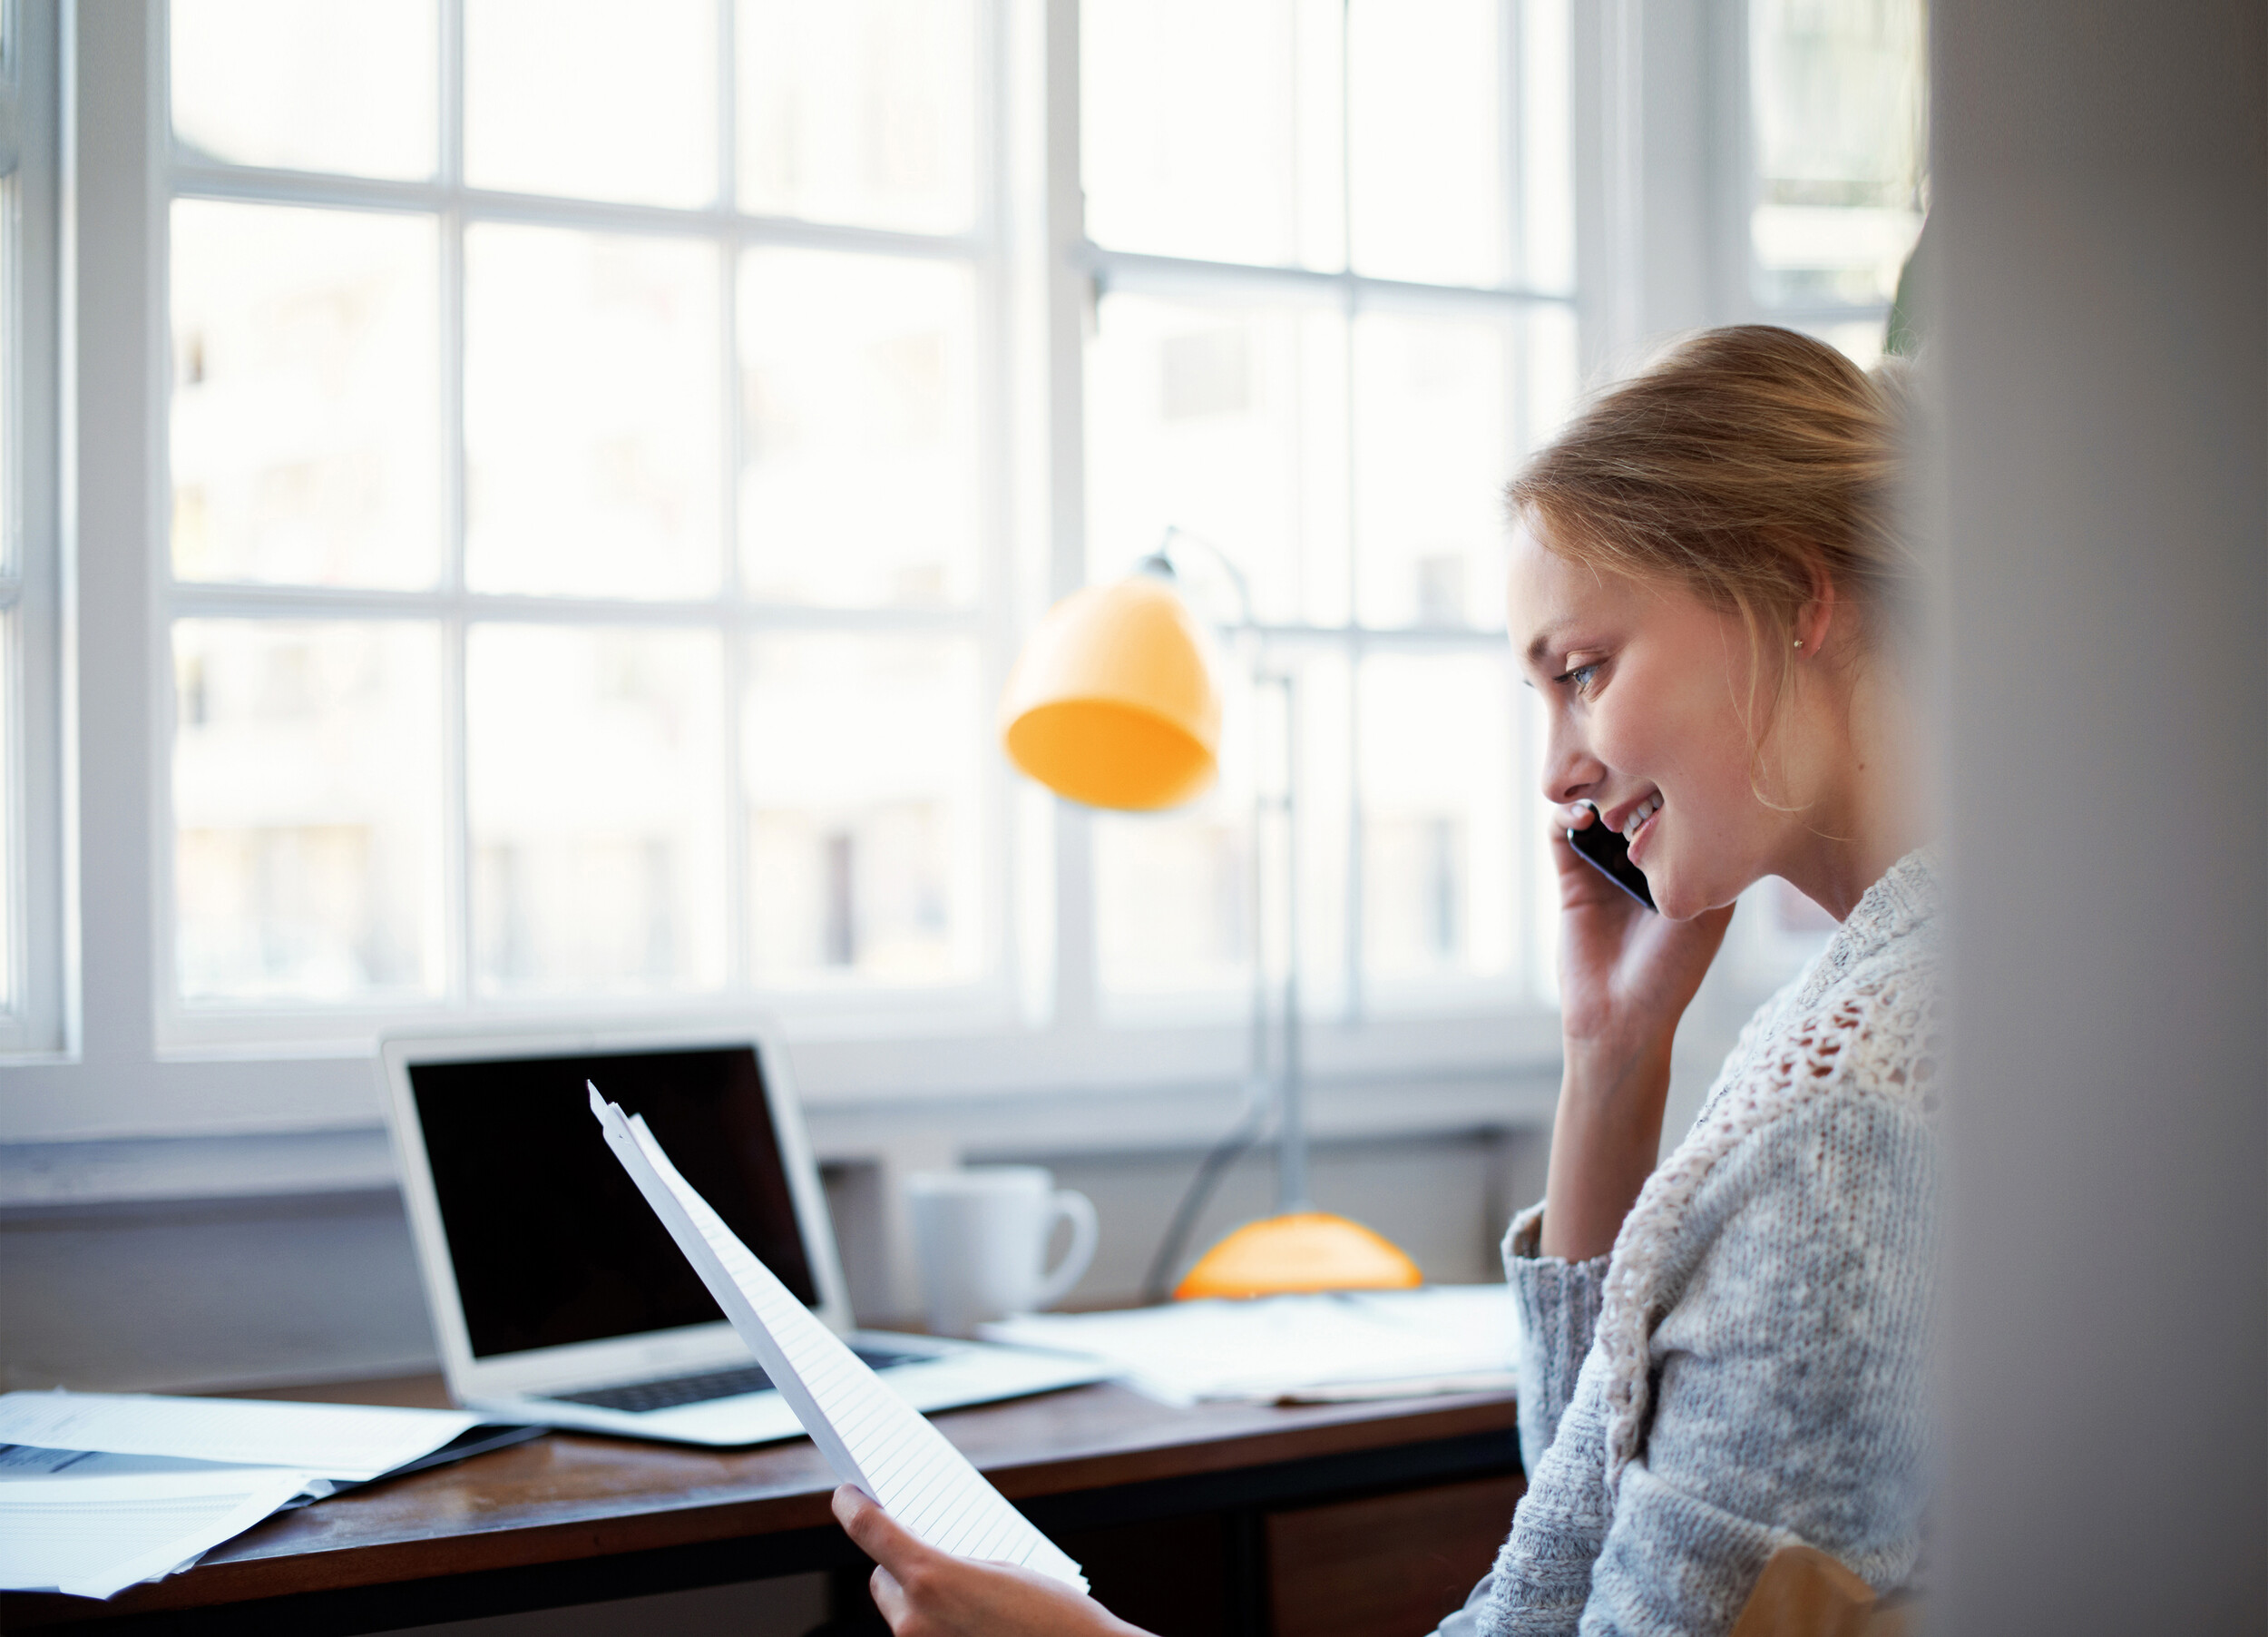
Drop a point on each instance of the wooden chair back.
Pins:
(1805, 1592)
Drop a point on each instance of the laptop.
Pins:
(558, 1298)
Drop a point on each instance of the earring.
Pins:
(1799, 641)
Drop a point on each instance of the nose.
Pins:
(1570, 773)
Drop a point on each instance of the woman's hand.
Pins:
(1625, 977)
(1626, 973)
(924, 1593)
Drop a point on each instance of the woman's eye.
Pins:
(1582, 677)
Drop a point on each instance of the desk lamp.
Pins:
(1116, 702)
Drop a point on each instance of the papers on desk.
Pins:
(95, 1536)
(354, 1442)
(100, 1490)
(869, 1435)
(1291, 1349)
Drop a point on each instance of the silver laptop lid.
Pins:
(541, 1266)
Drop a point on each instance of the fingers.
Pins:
(1574, 815)
(875, 1532)
(889, 1597)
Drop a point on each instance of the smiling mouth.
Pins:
(1641, 816)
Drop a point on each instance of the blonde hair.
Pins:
(1742, 463)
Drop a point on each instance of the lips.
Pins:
(1639, 815)
(1642, 827)
(1626, 821)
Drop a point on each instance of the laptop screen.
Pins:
(551, 1241)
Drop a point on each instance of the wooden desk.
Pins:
(1231, 1519)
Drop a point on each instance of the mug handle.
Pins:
(1077, 1209)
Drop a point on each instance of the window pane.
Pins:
(858, 429)
(1440, 887)
(11, 546)
(9, 996)
(306, 810)
(1432, 451)
(1174, 906)
(1213, 131)
(595, 780)
(1547, 147)
(1858, 339)
(1839, 106)
(1554, 372)
(592, 414)
(859, 111)
(1173, 913)
(1173, 890)
(593, 100)
(1424, 144)
(1229, 422)
(280, 82)
(863, 864)
(306, 413)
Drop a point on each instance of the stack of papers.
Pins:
(100, 1490)
(1293, 1349)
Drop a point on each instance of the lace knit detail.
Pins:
(1862, 1020)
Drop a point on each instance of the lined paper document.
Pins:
(95, 1536)
(349, 1441)
(869, 1435)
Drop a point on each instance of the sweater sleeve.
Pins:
(1791, 1373)
(1558, 1302)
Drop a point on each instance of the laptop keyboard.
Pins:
(640, 1397)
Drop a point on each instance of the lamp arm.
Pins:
(1291, 1136)
(1290, 1087)
(1161, 562)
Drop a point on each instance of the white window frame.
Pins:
(36, 1016)
(726, 230)
(132, 1069)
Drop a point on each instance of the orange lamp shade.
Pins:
(1113, 700)
(1306, 1250)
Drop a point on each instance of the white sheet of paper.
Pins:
(350, 1441)
(1358, 1344)
(95, 1536)
(869, 1435)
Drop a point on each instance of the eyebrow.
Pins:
(1540, 646)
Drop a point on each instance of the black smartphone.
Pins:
(1609, 854)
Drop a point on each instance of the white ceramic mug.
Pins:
(981, 1235)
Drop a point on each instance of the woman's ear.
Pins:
(1819, 622)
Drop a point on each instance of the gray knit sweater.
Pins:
(1746, 1368)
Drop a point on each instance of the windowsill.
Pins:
(1059, 1092)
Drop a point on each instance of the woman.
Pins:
(1724, 1354)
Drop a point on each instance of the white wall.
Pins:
(2102, 348)
(188, 1293)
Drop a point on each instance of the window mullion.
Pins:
(1352, 908)
(456, 842)
(1069, 296)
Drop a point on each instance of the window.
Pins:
(554, 498)
(527, 442)
(1333, 247)
(574, 441)
(1839, 122)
